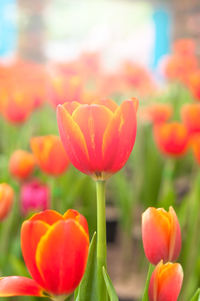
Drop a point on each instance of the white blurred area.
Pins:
(117, 29)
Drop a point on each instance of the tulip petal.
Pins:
(119, 136)
(73, 140)
(31, 233)
(71, 106)
(108, 103)
(175, 241)
(93, 120)
(62, 261)
(48, 216)
(156, 234)
(71, 213)
(19, 286)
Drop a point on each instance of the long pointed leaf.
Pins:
(110, 288)
(196, 296)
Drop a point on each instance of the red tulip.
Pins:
(161, 235)
(171, 138)
(50, 154)
(191, 117)
(166, 281)
(98, 138)
(55, 250)
(195, 145)
(34, 196)
(21, 164)
(6, 200)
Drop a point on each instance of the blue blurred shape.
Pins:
(8, 27)
(162, 22)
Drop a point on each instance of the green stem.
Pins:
(145, 295)
(101, 240)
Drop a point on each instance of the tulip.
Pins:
(34, 196)
(21, 164)
(166, 281)
(171, 138)
(98, 138)
(157, 113)
(50, 154)
(55, 250)
(194, 84)
(190, 115)
(161, 235)
(6, 200)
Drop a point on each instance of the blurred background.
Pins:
(56, 51)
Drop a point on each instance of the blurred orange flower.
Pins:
(157, 113)
(6, 200)
(50, 154)
(171, 138)
(21, 164)
(98, 138)
(190, 114)
(55, 250)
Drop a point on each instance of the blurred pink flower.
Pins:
(34, 196)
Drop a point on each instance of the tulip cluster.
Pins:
(162, 244)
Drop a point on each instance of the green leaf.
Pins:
(196, 296)
(87, 290)
(110, 288)
(145, 294)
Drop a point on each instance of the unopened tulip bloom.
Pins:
(161, 235)
(55, 250)
(50, 154)
(166, 282)
(171, 138)
(98, 138)
(34, 196)
(21, 164)
(6, 200)
(190, 114)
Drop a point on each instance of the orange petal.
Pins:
(71, 213)
(108, 103)
(48, 216)
(19, 286)
(71, 106)
(73, 140)
(119, 136)
(31, 233)
(93, 120)
(61, 256)
(175, 240)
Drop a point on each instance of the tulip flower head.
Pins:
(34, 197)
(21, 164)
(50, 154)
(6, 200)
(55, 250)
(171, 138)
(190, 114)
(161, 235)
(157, 113)
(98, 138)
(166, 282)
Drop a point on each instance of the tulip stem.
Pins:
(145, 295)
(101, 240)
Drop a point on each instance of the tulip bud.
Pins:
(166, 281)
(161, 235)
(34, 196)
(21, 164)
(6, 200)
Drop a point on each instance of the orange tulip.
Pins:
(171, 138)
(191, 117)
(184, 47)
(55, 250)
(6, 200)
(195, 145)
(98, 138)
(194, 84)
(161, 235)
(157, 113)
(50, 154)
(21, 164)
(166, 282)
